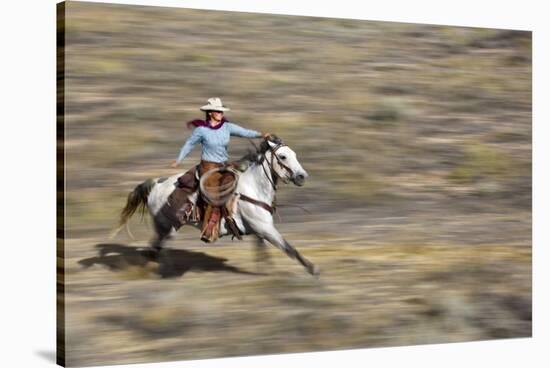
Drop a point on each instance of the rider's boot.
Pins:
(210, 230)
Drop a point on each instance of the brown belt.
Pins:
(264, 205)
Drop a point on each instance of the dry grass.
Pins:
(367, 296)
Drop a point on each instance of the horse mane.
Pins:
(255, 156)
(251, 157)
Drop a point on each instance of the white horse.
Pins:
(253, 209)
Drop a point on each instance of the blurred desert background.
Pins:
(417, 139)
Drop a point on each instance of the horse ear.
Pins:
(274, 141)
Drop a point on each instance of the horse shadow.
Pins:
(171, 262)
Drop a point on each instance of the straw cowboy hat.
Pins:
(214, 104)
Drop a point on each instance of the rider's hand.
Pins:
(266, 135)
(174, 164)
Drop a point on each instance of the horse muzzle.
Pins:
(299, 179)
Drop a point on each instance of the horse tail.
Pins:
(137, 201)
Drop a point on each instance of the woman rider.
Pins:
(213, 134)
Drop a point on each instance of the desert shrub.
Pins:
(481, 162)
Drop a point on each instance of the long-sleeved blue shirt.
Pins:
(214, 142)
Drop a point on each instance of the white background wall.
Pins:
(27, 117)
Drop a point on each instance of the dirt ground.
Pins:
(380, 285)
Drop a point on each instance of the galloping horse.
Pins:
(253, 209)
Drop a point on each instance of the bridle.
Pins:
(270, 164)
(273, 207)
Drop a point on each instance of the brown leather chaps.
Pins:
(212, 215)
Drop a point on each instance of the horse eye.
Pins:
(282, 157)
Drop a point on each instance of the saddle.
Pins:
(187, 204)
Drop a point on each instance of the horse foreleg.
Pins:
(293, 253)
(271, 234)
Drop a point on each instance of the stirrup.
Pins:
(233, 228)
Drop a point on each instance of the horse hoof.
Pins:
(314, 270)
(155, 249)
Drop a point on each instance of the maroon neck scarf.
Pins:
(203, 123)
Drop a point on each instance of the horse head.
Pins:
(283, 161)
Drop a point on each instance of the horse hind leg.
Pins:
(163, 230)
